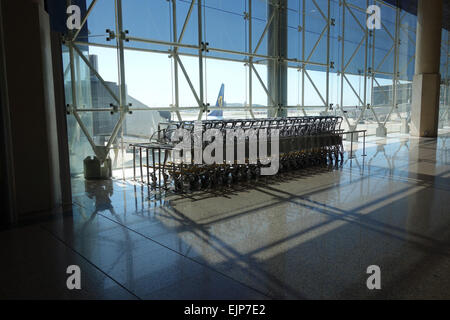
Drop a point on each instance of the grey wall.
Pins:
(32, 114)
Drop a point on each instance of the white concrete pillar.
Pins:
(426, 82)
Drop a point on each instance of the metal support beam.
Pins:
(264, 87)
(327, 93)
(123, 107)
(200, 59)
(175, 52)
(269, 22)
(250, 59)
(189, 81)
(188, 16)
(94, 71)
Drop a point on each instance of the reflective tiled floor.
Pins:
(300, 235)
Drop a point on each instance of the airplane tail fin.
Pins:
(220, 103)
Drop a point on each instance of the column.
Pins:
(277, 47)
(426, 83)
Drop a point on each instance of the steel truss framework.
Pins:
(253, 56)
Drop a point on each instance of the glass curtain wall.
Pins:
(143, 62)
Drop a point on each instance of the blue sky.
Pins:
(148, 75)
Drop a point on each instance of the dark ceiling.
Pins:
(411, 6)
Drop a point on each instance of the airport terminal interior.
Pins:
(341, 109)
